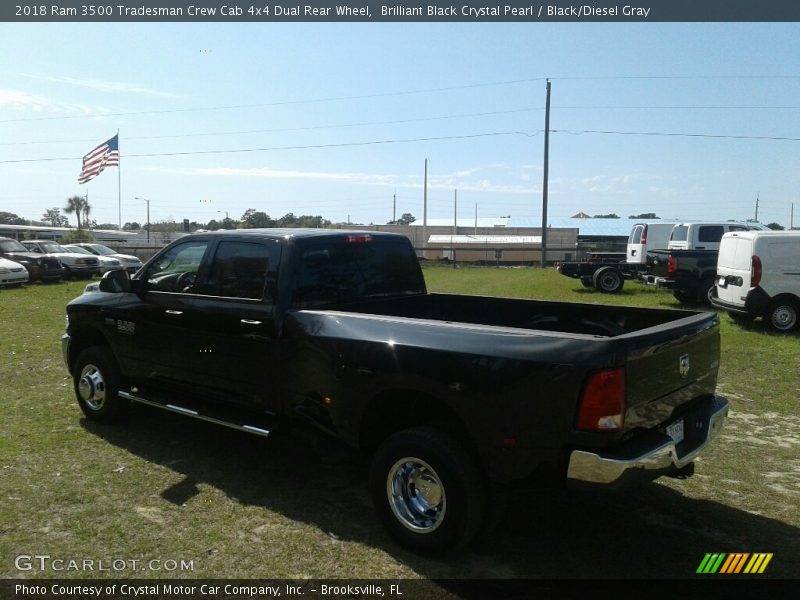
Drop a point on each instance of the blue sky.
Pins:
(609, 77)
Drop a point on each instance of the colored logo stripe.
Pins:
(734, 563)
(758, 563)
(721, 562)
(711, 563)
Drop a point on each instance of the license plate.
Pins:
(722, 282)
(675, 431)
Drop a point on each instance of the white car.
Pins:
(107, 263)
(74, 265)
(758, 275)
(12, 273)
(131, 263)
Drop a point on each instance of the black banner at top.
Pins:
(641, 11)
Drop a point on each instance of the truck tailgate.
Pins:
(668, 366)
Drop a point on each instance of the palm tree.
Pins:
(77, 205)
(86, 210)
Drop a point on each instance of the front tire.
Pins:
(587, 282)
(96, 379)
(427, 490)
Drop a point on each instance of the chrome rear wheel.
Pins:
(416, 495)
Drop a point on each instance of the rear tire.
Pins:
(96, 380)
(705, 292)
(427, 490)
(782, 315)
(683, 297)
(608, 280)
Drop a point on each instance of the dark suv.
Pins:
(46, 268)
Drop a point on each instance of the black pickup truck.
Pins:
(453, 394)
(690, 274)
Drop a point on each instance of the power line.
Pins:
(281, 102)
(288, 129)
(307, 147)
(425, 139)
(670, 77)
(396, 93)
(674, 134)
(678, 107)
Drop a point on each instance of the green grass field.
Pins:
(167, 488)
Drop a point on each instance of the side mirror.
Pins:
(115, 282)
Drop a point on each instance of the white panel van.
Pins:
(758, 275)
(644, 237)
(701, 236)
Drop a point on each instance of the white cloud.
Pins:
(99, 85)
(23, 101)
(394, 180)
(267, 172)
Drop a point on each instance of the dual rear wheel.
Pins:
(427, 490)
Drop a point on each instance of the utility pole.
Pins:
(148, 216)
(546, 171)
(476, 218)
(394, 208)
(455, 224)
(791, 218)
(425, 210)
(757, 208)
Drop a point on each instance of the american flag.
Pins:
(105, 155)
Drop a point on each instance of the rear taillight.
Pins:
(603, 401)
(643, 239)
(672, 265)
(755, 271)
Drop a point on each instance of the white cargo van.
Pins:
(701, 236)
(644, 237)
(758, 275)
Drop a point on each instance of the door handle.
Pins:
(173, 313)
(250, 322)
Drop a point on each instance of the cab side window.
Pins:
(176, 270)
(711, 233)
(243, 270)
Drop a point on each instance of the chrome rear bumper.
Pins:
(660, 456)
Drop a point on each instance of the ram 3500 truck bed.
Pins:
(454, 394)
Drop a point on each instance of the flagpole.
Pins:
(119, 186)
